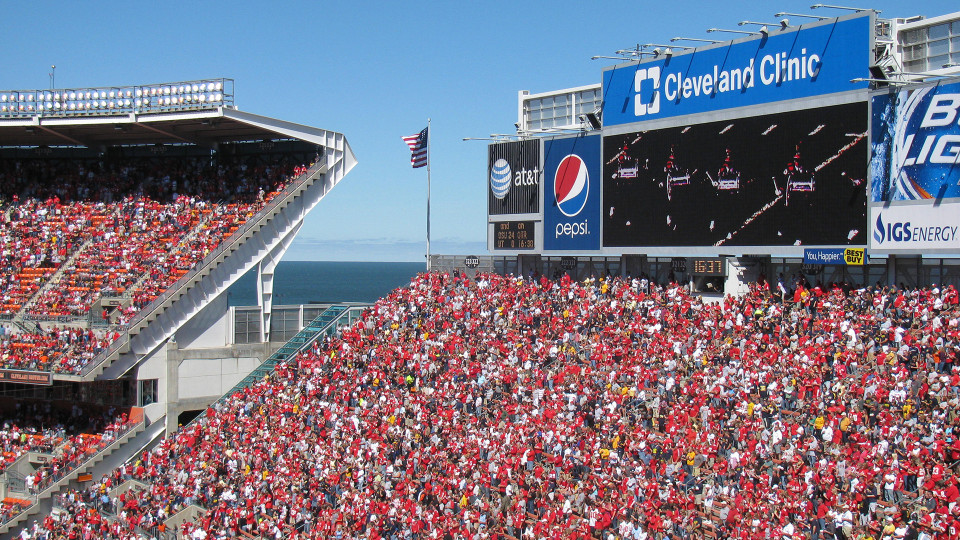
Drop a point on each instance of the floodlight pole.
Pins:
(53, 75)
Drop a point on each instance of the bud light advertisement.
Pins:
(916, 145)
(514, 177)
(572, 206)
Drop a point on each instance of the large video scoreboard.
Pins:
(760, 143)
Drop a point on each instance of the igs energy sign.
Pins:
(812, 60)
(514, 178)
(915, 227)
(571, 210)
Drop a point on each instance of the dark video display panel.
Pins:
(787, 179)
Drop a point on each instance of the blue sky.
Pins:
(374, 71)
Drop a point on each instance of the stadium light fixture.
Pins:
(895, 78)
(923, 74)
(592, 118)
(783, 24)
(785, 14)
(868, 79)
(497, 137)
(621, 58)
(637, 52)
(694, 39)
(648, 45)
(858, 10)
(556, 130)
(192, 95)
(627, 55)
(712, 30)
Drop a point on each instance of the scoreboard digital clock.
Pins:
(707, 266)
(513, 235)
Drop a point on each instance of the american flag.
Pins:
(418, 148)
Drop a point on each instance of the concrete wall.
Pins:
(206, 377)
(155, 367)
(208, 328)
(196, 377)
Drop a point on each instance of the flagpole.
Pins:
(429, 136)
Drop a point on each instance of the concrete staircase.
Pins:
(183, 241)
(192, 514)
(36, 460)
(20, 317)
(270, 230)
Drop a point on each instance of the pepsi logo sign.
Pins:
(571, 185)
(500, 177)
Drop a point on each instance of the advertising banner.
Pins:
(787, 179)
(44, 378)
(915, 136)
(572, 207)
(913, 227)
(514, 178)
(834, 256)
(810, 60)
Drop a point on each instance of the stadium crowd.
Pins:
(514, 408)
(75, 231)
(67, 434)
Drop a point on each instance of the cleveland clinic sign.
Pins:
(806, 61)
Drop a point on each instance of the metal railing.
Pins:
(284, 196)
(325, 324)
(49, 483)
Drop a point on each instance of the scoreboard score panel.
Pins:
(707, 266)
(514, 235)
(700, 266)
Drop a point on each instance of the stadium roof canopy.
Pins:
(203, 128)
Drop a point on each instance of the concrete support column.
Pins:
(265, 270)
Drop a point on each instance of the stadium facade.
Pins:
(176, 347)
(794, 149)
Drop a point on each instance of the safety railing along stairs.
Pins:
(324, 325)
(60, 479)
(128, 294)
(202, 269)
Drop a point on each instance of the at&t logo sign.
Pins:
(500, 176)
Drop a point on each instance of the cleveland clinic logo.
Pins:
(689, 82)
(651, 74)
(500, 178)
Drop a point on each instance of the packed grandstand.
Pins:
(74, 232)
(614, 408)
